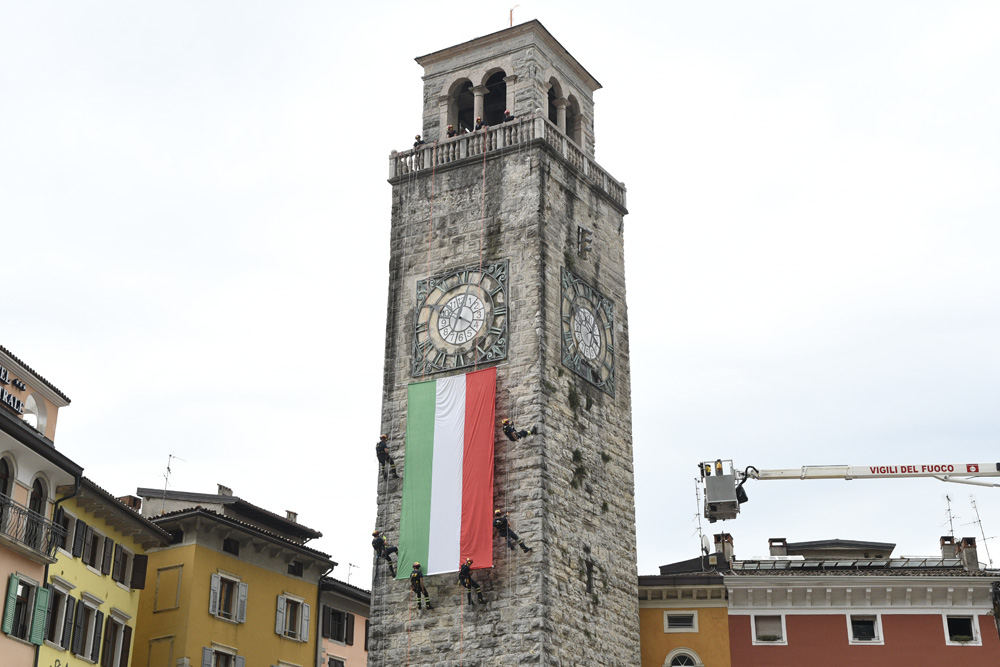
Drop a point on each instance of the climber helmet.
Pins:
(383, 437)
(497, 512)
(416, 566)
(375, 533)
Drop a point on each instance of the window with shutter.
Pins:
(349, 631)
(95, 643)
(116, 570)
(67, 631)
(109, 554)
(37, 633)
(304, 626)
(126, 645)
(768, 629)
(79, 537)
(138, 578)
(680, 621)
(367, 626)
(110, 639)
(10, 604)
(279, 616)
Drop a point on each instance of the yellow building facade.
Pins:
(230, 590)
(683, 621)
(95, 584)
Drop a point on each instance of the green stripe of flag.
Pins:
(414, 522)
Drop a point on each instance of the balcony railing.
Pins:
(29, 529)
(504, 137)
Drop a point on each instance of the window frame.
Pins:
(783, 641)
(683, 651)
(281, 617)
(667, 615)
(117, 620)
(67, 520)
(33, 609)
(878, 640)
(238, 594)
(59, 596)
(95, 541)
(93, 633)
(977, 637)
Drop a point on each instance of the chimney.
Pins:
(292, 516)
(948, 547)
(967, 552)
(131, 502)
(724, 545)
(225, 490)
(778, 546)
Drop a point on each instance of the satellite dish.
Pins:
(706, 547)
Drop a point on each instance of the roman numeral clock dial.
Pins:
(588, 335)
(461, 319)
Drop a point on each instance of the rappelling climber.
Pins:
(383, 550)
(504, 530)
(465, 578)
(417, 586)
(382, 451)
(513, 434)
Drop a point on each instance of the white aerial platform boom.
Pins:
(723, 484)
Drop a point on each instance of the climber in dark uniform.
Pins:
(504, 530)
(513, 434)
(480, 124)
(417, 586)
(452, 132)
(383, 550)
(419, 142)
(507, 116)
(382, 451)
(465, 578)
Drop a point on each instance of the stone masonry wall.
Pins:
(569, 490)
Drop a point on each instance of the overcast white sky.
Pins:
(194, 223)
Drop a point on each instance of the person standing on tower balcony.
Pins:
(504, 530)
(513, 434)
(452, 132)
(417, 586)
(383, 550)
(480, 124)
(465, 579)
(507, 116)
(419, 142)
(382, 452)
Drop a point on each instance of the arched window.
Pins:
(36, 502)
(34, 413)
(495, 100)
(574, 121)
(683, 657)
(5, 478)
(555, 93)
(461, 103)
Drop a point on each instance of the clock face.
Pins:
(461, 319)
(588, 319)
(586, 332)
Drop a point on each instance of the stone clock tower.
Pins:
(508, 251)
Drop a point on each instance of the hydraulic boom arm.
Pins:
(723, 484)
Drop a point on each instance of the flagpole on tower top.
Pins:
(512, 15)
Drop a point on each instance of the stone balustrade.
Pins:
(505, 137)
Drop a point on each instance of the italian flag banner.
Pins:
(447, 510)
